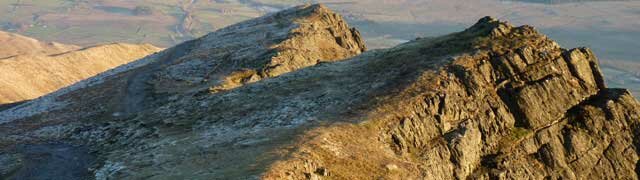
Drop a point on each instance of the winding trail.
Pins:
(137, 87)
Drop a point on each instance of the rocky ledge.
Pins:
(278, 100)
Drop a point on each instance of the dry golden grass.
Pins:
(14, 44)
(30, 76)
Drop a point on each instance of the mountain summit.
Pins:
(294, 95)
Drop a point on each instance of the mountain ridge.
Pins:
(492, 101)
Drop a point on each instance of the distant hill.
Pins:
(12, 44)
(24, 77)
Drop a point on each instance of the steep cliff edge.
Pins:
(492, 101)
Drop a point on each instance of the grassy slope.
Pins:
(26, 77)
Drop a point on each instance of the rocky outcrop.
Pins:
(264, 47)
(26, 77)
(517, 107)
(492, 101)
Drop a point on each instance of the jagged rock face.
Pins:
(594, 140)
(493, 101)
